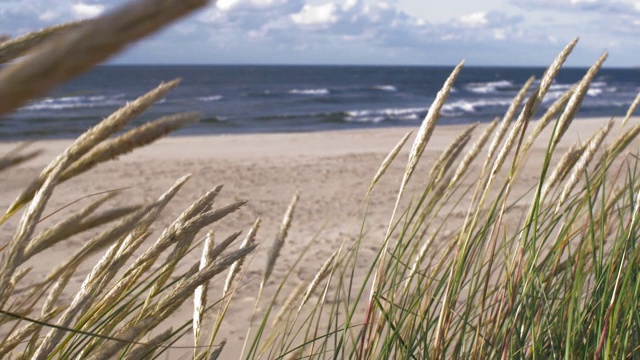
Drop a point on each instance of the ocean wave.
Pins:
(389, 88)
(596, 88)
(560, 87)
(309, 91)
(214, 119)
(210, 98)
(471, 106)
(552, 96)
(376, 116)
(594, 92)
(75, 102)
(488, 87)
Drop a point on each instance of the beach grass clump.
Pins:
(545, 271)
(548, 271)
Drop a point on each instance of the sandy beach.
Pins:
(331, 170)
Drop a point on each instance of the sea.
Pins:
(262, 99)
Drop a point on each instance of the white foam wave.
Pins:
(488, 87)
(389, 88)
(75, 102)
(210, 98)
(376, 116)
(309, 91)
(470, 106)
(594, 92)
(552, 96)
(560, 87)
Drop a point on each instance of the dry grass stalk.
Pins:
(583, 162)
(171, 234)
(180, 292)
(92, 137)
(444, 161)
(631, 110)
(200, 294)
(183, 237)
(506, 122)
(287, 305)
(204, 203)
(8, 161)
(63, 57)
(126, 143)
(15, 156)
(617, 195)
(110, 348)
(250, 239)
(551, 73)
(19, 275)
(224, 244)
(274, 252)
(130, 244)
(139, 233)
(324, 271)
(419, 258)
(549, 115)
(56, 290)
(545, 83)
(513, 136)
(419, 144)
(576, 99)
(63, 229)
(561, 170)
(622, 141)
(556, 64)
(18, 337)
(148, 320)
(427, 126)
(90, 288)
(102, 240)
(215, 354)
(12, 49)
(473, 152)
(146, 351)
(296, 355)
(388, 160)
(13, 256)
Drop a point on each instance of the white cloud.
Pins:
(349, 4)
(316, 15)
(365, 31)
(226, 5)
(602, 6)
(48, 15)
(83, 10)
(474, 20)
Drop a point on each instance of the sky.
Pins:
(369, 32)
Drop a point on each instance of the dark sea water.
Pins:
(243, 99)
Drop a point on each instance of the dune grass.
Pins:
(548, 273)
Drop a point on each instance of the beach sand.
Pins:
(331, 170)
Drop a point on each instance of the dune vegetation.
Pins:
(559, 280)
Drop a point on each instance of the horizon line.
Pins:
(361, 65)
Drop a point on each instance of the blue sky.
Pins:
(414, 32)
